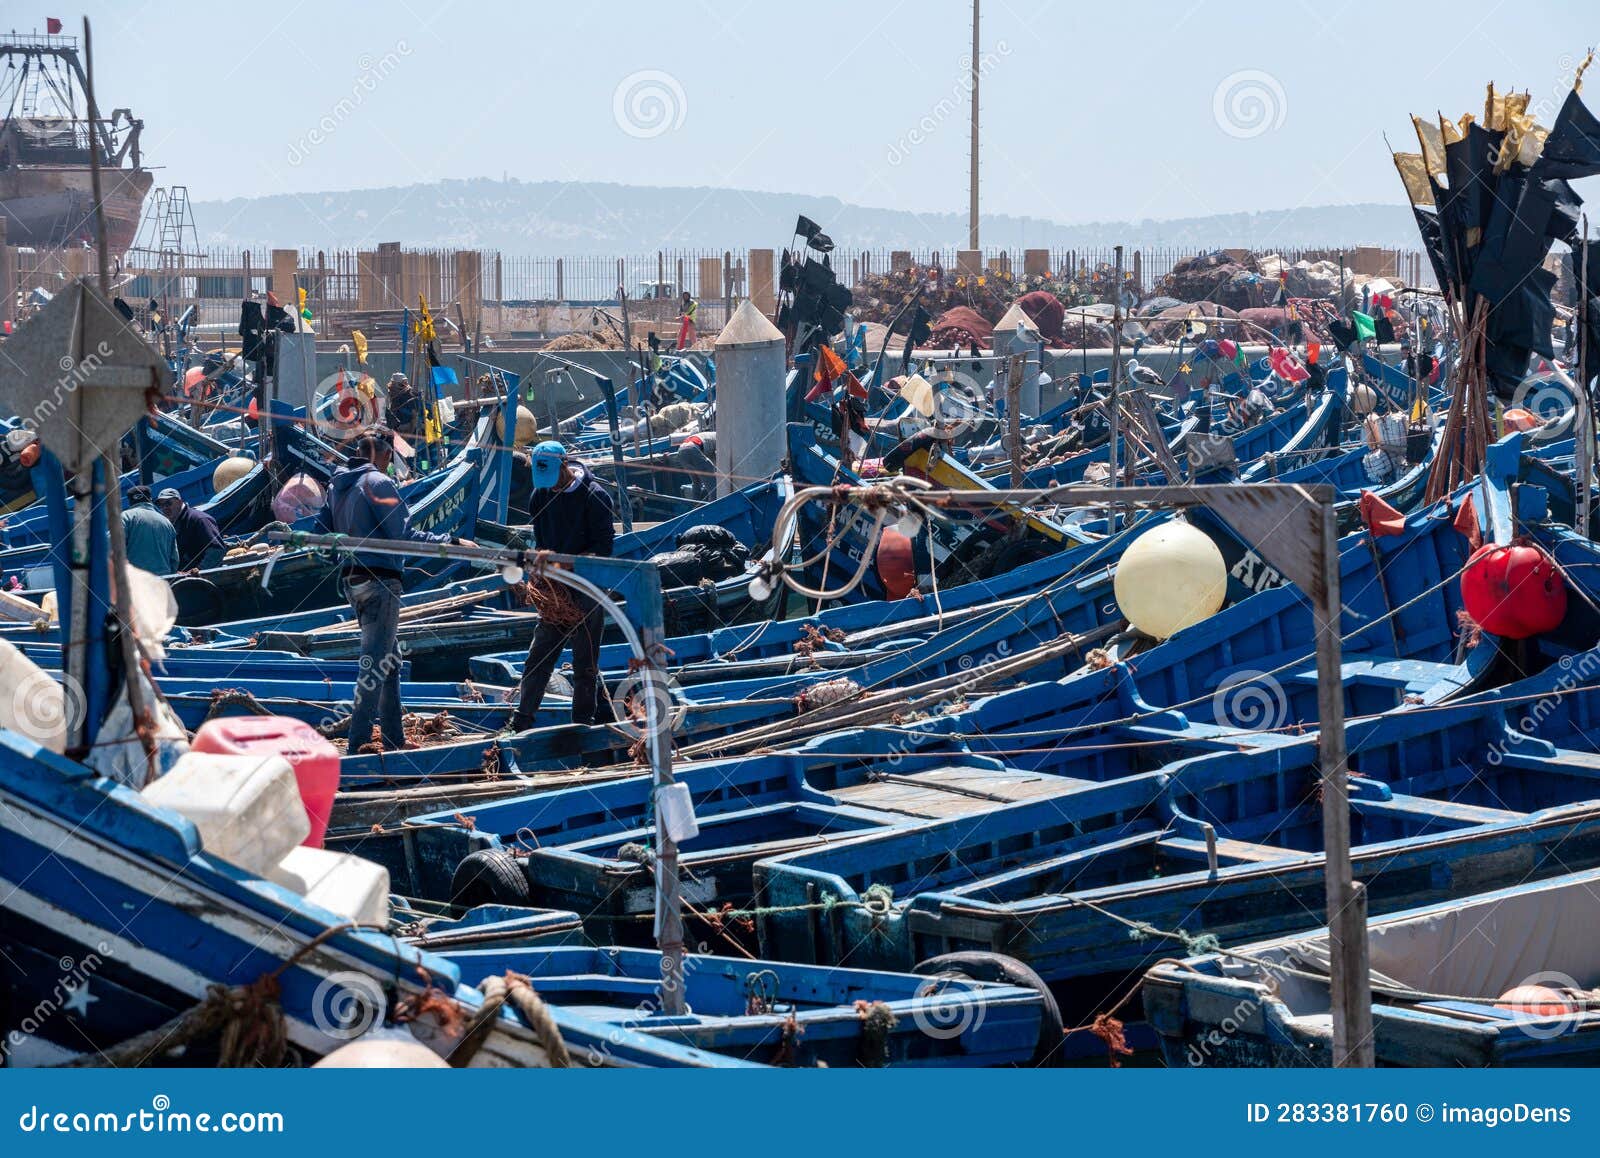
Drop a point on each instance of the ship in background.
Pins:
(46, 191)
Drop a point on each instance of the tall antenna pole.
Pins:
(972, 178)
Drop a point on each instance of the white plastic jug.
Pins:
(351, 886)
(247, 808)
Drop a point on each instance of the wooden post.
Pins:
(1347, 921)
(499, 296)
(758, 275)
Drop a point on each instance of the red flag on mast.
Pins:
(52, 25)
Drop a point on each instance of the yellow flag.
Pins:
(360, 341)
(425, 329)
(1494, 109)
(1432, 142)
(1413, 171)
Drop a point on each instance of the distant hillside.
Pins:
(567, 217)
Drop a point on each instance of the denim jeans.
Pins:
(376, 603)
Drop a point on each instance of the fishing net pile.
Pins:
(577, 342)
(1237, 283)
(1081, 333)
(879, 297)
(961, 326)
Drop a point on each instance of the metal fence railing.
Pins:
(350, 282)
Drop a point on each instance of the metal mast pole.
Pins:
(1113, 390)
(1583, 403)
(972, 174)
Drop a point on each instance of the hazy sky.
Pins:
(1090, 112)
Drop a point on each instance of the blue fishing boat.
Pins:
(1498, 978)
(122, 935)
(780, 1013)
(1104, 880)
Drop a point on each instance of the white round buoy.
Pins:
(527, 427)
(230, 471)
(1171, 577)
(1363, 399)
(382, 1053)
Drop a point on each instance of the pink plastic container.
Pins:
(314, 760)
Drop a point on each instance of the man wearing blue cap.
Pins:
(571, 514)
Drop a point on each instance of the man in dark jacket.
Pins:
(197, 531)
(364, 503)
(402, 411)
(571, 515)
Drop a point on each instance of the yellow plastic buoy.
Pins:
(527, 427)
(1363, 399)
(230, 471)
(1171, 577)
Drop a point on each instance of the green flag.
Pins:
(1365, 327)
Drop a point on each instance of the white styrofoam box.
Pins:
(247, 808)
(351, 886)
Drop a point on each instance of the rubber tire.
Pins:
(490, 876)
(199, 600)
(979, 965)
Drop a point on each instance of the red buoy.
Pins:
(1540, 1000)
(1514, 592)
(1520, 420)
(896, 566)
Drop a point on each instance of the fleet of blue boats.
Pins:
(966, 808)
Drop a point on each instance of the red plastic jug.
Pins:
(314, 760)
